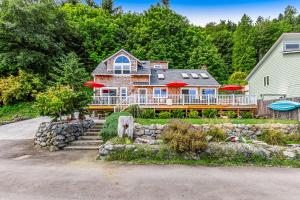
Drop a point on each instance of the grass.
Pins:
(216, 121)
(21, 110)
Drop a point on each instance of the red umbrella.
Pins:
(92, 84)
(231, 87)
(176, 84)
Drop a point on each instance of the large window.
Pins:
(206, 92)
(160, 93)
(122, 65)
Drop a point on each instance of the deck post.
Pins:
(208, 100)
(233, 100)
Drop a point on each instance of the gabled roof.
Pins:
(124, 51)
(174, 75)
(283, 36)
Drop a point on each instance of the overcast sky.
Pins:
(201, 12)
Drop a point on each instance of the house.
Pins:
(151, 84)
(277, 74)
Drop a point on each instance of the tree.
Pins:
(69, 71)
(244, 52)
(91, 3)
(166, 3)
(108, 5)
(238, 78)
(56, 102)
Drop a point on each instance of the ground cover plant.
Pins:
(20, 110)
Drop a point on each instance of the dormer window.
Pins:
(122, 65)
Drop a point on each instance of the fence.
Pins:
(263, 110)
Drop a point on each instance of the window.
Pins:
(157, 66)
(266, 81)
(123, 91)
(122, 65)
(206, 92)
(161, 76)
(160, 92)
(290, 46)
(194, 75)
(204, 75)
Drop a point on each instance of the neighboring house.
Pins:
(128, 80)
(277, 74)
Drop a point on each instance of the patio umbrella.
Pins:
(92, 84)
(231, 88)
(176, 84)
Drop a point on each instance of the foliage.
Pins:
(210, 113)
(56, 101)
(118, 140)
(135, 111)
(238, 78)
(193, 114)
(108, 5)
(148, 114)
(178, 113)
(230, 114)
(246, 115)
(273, 137)
(164, 115)
(293, 138)
(20, 110)
(183, 137)
(218, 135)
(110, 128)
(23, 87)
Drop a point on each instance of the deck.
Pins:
(172, 102)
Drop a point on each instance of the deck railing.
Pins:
(176, 100)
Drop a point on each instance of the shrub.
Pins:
(110, 128)
(23, 87)
(148, 114)
(135, 111)
(164, 115)
(273, 137)
(230, 114)
(293, 138)
(193, 114)
(246, 115)
(178, 113)
(183, 137)
(118, 140)
(218, 135)
(210, 113)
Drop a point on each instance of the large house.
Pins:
(127, 80)
(277, 75)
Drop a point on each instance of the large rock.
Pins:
(125, 126)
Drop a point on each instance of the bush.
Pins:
(23, 87)
(193, 114)
(164, 115)
(246, 115)
(148, 114)
(183, 137)
(210, 113)
(118, 140)
(293, 138)
(217, 134)
(273, 137)
(230, 114)
(178, 113)
(135, 111)
(110, 128)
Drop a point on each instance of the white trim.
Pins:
(157, 66)
(121, 50)
(122, 66)
(121, 91)
(189, 88)
(201, 89)
(167, 92)
(290, 42)
(108, 88)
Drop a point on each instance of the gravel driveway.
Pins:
(22, 129)
(29, 174)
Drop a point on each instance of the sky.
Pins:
(201, 12)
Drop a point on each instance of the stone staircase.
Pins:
(90, 140)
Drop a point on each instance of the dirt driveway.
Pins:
(28, 173)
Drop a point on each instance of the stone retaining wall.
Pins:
(153, 132)
(56, 135)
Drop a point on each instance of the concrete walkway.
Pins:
(21, 130)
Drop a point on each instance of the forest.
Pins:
(46, 42)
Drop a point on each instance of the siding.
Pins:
(284, 73)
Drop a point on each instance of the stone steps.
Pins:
(84, 137)
(94, 130)
(94, 147)
(87, 142)
(91, 133)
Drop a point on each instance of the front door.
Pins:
(189, 95)
(142, 98)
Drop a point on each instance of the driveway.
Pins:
(21, 130)
(29, 174)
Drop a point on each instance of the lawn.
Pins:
(21, 110)
(216, 121)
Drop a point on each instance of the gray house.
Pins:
(277, 74)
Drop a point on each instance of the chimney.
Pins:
(204, 67)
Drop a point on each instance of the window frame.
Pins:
(157, 66)
(291, 43)
(160, 93)
(122, 66)
(266, 81)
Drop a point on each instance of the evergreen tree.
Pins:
(91, 3)
(108, 5)
(166, 3)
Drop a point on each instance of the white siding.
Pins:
(283, 70)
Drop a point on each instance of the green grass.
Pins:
(22, 110)
(216, 121)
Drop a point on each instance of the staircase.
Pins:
(90, 140)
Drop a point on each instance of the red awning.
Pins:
(92, 84)
(176, 84)
(231, 87)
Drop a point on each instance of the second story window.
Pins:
(266, 81)
(291, 46)
(122, 65)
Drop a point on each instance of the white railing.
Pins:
(175, 100)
